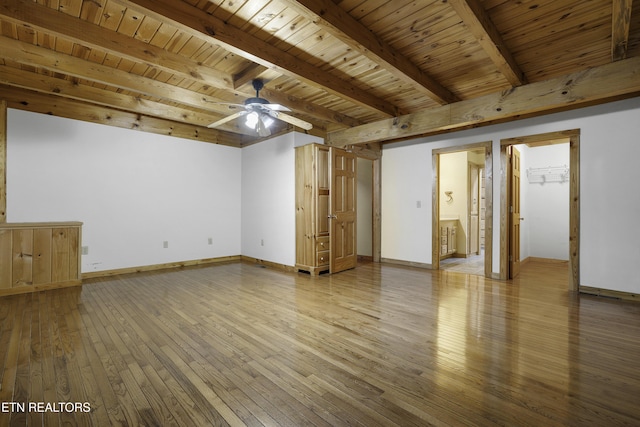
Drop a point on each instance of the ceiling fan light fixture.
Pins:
(267, 120)
(252, 120)
(260, 114)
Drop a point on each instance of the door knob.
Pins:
(332, 216)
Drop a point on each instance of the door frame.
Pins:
(470, 168)
(573, 135)
(373, 152)
(435, 194)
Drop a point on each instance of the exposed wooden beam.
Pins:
(31, 14)
(620, 24)
(200, 24)
(21, 99)
(479, 23)
(3, 161)
(134, 104)
(331, 17)
(367, 151)
(28, 54)
(589, 87)
(108, 98)
(253, 71)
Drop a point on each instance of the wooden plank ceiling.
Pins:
(355, 69)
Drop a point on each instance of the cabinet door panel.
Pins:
(41, 256)
(322, 164)
(60, 255)
(6, 263)
(22, 257)
(323, 214)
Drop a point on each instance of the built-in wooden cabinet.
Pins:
(36, 256)
(448, 237)
(312, 208)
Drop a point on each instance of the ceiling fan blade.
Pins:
(276, 107)
(291, 120)
(227, 119)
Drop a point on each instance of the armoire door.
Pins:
(342, 207)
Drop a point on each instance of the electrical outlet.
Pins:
(419, 204)
(210, 240)
(261, 242)
(165, 244)
(85, 250)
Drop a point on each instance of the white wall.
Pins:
(268, 200)
(406, 184)
(609, 201)
(545, 206)
(133, 190)
(609, 174)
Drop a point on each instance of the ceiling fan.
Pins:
(260, 114)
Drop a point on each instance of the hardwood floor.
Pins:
(473, 264)
(380, 345)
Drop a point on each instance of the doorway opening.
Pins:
(365, 210)
(369, 225)
(463, 208)
(509, 231)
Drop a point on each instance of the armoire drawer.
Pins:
(322, 243)
(323, 258)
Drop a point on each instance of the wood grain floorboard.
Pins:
(380, 345)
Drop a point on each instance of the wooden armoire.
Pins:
(326, 184)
